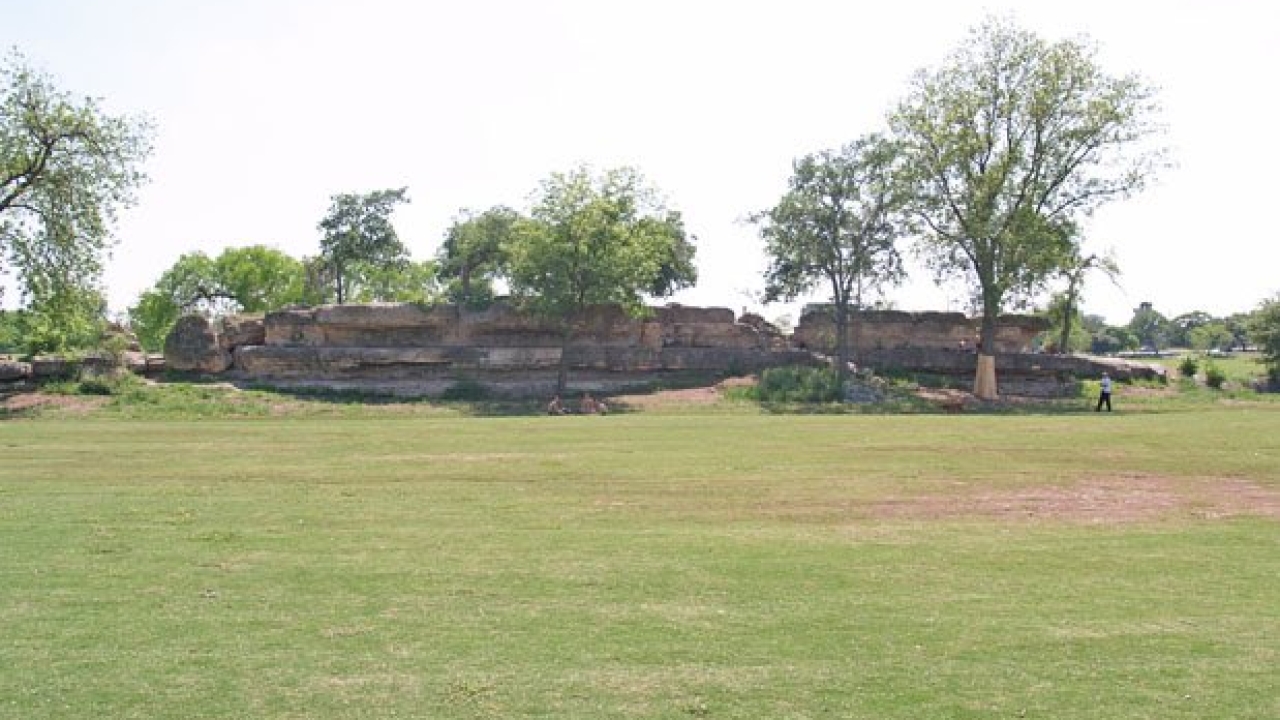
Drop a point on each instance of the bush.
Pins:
(1188, 367)
(1214, 377)
(466, 390)
(108, 384)
(799, 384)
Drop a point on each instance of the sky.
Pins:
(264, 109)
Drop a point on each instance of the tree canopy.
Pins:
(597, 239)
(66, 168)
(1265, 331)
(358, 229)
(474, 253)
(1065, 306)
(1149, 326)
(247, 279)
(1008, 145)
(836, 225)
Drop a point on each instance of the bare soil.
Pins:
(688, 396)
(21, 402)
(1100, 500)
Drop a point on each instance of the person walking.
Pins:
(1104, 394)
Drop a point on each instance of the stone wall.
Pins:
(409, 349)
(416, 350)
(890, 329)
(16, 373)
(1027, 374)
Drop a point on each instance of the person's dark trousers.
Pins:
(1103, 399)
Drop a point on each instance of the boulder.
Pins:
(47, 367)
(237, 330)
(674, 313)
(194, 345)
(11, 370)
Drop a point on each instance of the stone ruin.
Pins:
(18, 374)
(878, 330)
(415, 350)
(945, 344)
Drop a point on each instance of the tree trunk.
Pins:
(984, 382)
(1064, 342)
(842, 343)
(1069, 311)
(562, 369)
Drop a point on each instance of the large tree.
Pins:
(358, 229)
(246, 279)
(474, 253)
(1067, 305)
(1264, 329)
(1150, 327)
(597, 239)
(404, 281)
(836, 226)
(1009, 144)
(66, 168)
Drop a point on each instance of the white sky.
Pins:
(266, 108)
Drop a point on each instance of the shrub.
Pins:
(799, 384)
(108, 384)
(1188, 367)
(466, 390)
(1214, 377)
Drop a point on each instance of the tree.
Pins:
(596, 239)
(1180, 328)
(358, 229)
(1150, 327)
(406, 281)
(260, 278)
(1007, 146)
(836, 225)
(474, 253)
(1265, 332)
(1110, 339)
(1213, 335)
(1074, 271)
(1062, 313)
(66, 168)
(249, 279)
(70, 317)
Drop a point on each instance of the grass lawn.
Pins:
(732, 565)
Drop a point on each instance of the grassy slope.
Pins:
(376, 565)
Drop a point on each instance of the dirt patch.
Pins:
(1101, 500)
(28, 402)
(688, 396)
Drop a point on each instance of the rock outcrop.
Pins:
(418, 350)
(196, 344)
(410, 349)
(890, 329)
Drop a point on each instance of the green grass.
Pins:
(1241, 369)
(384, 562)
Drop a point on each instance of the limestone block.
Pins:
(11, 370)
(351, 362)
(651, 335)
(193, 345)
(292, 327)
(236, 330)
(383, 315)
(155, 364)
(673, 313)
(53, 366)
(520, 357)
